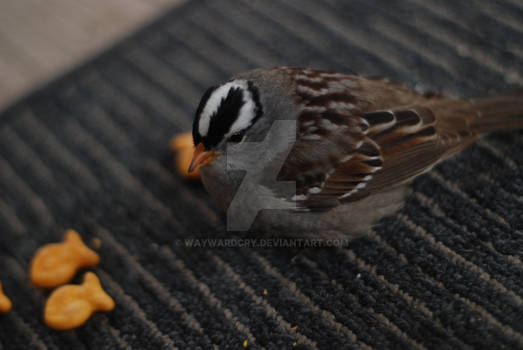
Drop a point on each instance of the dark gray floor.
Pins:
(90, 152)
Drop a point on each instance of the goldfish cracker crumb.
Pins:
(294, 329)
(294, 344)
(183, 147)
(5, 303)
(56, 263)
(245, 344)
(96, 243)
(265, 292)
(70, 306)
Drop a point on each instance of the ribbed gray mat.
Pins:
(90, 152)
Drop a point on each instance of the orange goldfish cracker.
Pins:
(183, 147)
(5, 303)
(55, 264)
(71, 305)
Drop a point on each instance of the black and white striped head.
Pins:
(225, 113)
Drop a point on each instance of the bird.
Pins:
(354, 146)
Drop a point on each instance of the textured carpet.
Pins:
(90, 152)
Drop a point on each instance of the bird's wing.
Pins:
(360, 145)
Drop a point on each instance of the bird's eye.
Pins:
(236, 138)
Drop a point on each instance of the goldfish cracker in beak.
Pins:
(183, 147)
(55, 264)
(5, 303)
(70, 306)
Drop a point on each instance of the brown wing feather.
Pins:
(380, 135)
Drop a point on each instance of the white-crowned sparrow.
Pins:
(357, 142)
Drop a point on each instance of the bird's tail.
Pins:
(495, 113)
(504, 112)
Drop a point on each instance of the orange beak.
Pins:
(201, 157)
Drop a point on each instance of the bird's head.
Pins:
(225, 114)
